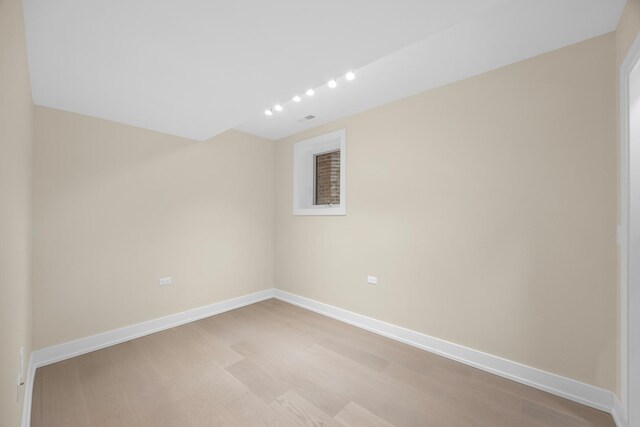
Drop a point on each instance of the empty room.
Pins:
(342, 213)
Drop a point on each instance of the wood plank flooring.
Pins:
(274, 364)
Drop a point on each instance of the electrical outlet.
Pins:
(165, 281)
(372, 280)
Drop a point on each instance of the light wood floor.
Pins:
(275, 364)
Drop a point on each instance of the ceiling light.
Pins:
(309, 92)
(277, 107)
(296, 98)
(350, 75)
(332, 83)
(268, 112)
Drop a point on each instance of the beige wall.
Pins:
(487, 208)
(117, 207)
(628, 29)
(16, 115)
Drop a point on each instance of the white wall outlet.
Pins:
(372, 280)
(165, 281)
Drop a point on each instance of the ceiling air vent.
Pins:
(306, 118)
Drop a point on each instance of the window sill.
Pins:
(319, 211)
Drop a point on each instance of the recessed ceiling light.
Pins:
(332, 83)
(350, 75)
(296, 98)
(309, 92)
(277, 107)
(268, 112)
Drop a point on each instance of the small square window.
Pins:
(319, 175)
(327, 178)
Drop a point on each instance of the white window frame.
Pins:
(304, 153)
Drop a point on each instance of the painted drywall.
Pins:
(487, 210)
(116, 208)
(16, 116)
(627, 30)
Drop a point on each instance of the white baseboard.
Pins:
(586, 394)
(618, 413)
(28, 393)
(59, 352)
(555, 384)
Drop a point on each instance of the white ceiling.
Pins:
(195, 68)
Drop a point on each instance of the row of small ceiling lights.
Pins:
(310, 92)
